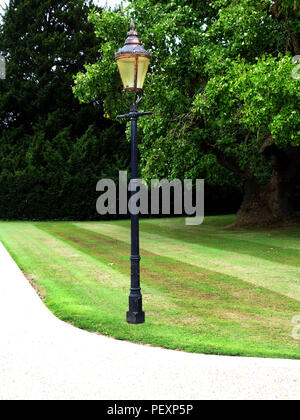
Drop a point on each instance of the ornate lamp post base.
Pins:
(135, 317)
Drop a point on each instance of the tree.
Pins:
(222, 92)
(52, 149)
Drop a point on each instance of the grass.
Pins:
(206, 289)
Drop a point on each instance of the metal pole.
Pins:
(135, 315)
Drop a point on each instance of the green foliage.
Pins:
(254, 101)
(52, 149)
(101, 79)
(220, 83)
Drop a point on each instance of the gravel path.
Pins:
(42, 357)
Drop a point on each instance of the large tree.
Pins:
(52, 149)
(222, 92)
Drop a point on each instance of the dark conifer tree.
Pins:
(52, 149)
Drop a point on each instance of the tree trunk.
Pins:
(274, 202)
(266, 204)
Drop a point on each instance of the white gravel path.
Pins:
(42, 357)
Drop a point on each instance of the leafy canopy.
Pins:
(220, 82)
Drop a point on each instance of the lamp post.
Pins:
(133, 62)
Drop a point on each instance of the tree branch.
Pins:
(230, 163)
(294, 41)
(282, 160)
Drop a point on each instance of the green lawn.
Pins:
(206, 289)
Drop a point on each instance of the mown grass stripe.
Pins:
(175, 281)
(187, 307)
(284, 279)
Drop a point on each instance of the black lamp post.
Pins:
(133, 62)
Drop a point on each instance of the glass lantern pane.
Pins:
(143, 64)
(127, 71)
